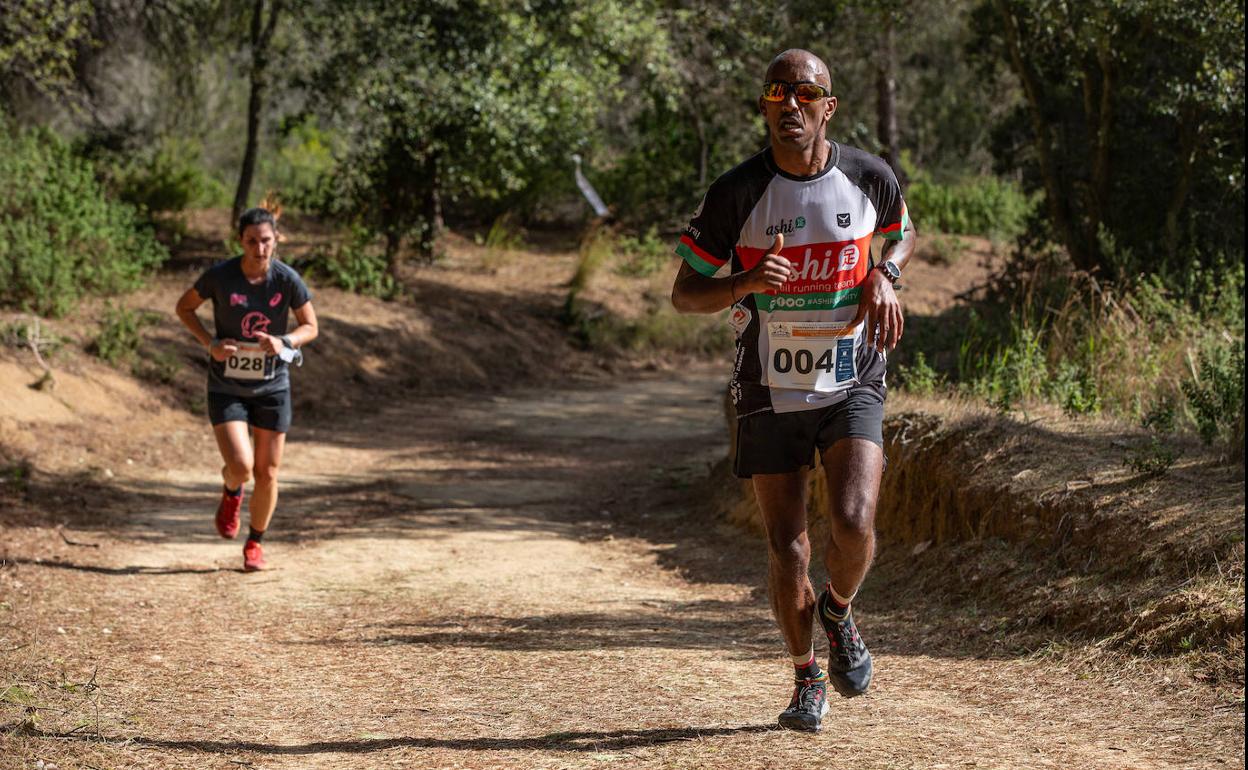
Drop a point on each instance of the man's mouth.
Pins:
(790, 124)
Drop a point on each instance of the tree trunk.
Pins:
(704, 147)
(433, 224)
(1189, 136)
(261, 36)
(1054, 194)
(886, 97)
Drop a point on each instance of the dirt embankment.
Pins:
(1036, 535)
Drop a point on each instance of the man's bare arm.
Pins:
(693, 292)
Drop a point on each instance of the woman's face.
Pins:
(259, 242)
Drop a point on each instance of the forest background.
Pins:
(1098, 145)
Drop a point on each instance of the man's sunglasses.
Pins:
(806, 92)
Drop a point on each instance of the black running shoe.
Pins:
(849, 663)
(809, 704)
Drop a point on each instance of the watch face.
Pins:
(890, 270)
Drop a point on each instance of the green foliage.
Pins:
(120, 341)
(61, 237)
(1156, 454)
(983, 205)
(644, 254)
(504, 234)
(919, 378)
(943, 250)
(1131, 124)
(358, 266)
(1074, 388)
(39, 41)
(1216, 393)
(303, 157)
(170, 179)
(120, 335)
(469, 103)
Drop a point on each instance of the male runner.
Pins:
(248, 382)
(795, 224)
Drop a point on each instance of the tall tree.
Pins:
(1130, 106)
(463, 101)
(261, 38)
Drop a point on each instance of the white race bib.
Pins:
(812, 356)
(247, 363)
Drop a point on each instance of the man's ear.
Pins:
(831, 107)
(762, 107)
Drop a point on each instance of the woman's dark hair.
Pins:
(256, 216)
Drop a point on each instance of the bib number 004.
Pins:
(812, 356)
(248, 363)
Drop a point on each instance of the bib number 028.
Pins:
(249, 363)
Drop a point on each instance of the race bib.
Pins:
(249, 362)
(812, 356)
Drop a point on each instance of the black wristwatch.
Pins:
(890, 271)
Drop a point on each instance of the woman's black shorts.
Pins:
(270, 411)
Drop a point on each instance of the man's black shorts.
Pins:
(270, 411)
(782, 443)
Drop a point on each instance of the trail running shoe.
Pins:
(849, 663)
(809, 704)
(253, 557)
(227, 514)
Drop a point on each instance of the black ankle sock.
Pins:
(809, 671)
(234, 492)
(252, 534)
(832, 608)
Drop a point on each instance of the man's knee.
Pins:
(854, 520)
(789, 547)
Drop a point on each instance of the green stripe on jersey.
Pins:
(696, 262)
(823, 301)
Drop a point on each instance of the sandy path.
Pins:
(515, 582)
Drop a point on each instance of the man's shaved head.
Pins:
(795, 126)
(797, 64)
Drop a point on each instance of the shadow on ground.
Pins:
(556, 741)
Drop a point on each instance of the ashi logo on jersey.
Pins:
(786, 226)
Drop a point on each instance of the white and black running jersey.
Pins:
(827, 221)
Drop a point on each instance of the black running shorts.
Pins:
(783, 443)
(270, 411)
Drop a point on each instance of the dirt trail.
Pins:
(511, 581)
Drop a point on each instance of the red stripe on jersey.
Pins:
(700, 252)
(821, 267)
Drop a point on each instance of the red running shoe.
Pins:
(227, 514)
(253, 557)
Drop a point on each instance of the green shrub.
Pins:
(304, 157)
(120, 335)
(944, 250)
(644, 254)
(1075, 389)
(1156, 454)
(919, 378)
(359, 266)
(169, 179)
(1216, 393)
(983, 205)
(61, 237)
